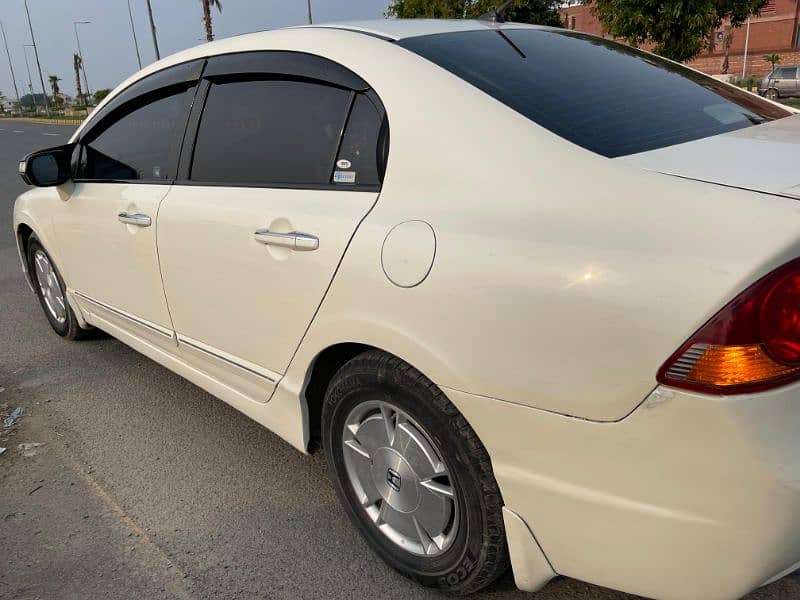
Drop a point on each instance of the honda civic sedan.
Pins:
(531, 318)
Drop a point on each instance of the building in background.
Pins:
(775, 30)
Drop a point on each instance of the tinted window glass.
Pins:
(141, 141)
(270, 132)
(613, 100)
(358, 161)
(786, 73)
(171, 77)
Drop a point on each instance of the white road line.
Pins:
(17, 131)
(51, 134)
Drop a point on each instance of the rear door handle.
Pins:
(137, 219)
(294, 240)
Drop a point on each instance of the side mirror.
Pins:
(47, 167)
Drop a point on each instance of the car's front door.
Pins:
(286, 163)
(106, 229)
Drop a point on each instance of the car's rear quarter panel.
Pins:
(562, 280)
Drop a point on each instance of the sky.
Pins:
(108, 51)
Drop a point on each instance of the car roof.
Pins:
(386, 29)
(398, 29)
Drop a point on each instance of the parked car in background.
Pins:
(783, 82)
(530, 318)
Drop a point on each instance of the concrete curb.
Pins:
(64, 121)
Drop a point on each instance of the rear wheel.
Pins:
(50, 289)
(412, 475)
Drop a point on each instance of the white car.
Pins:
(536, 294)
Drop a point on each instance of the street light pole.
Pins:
(80, 53)
(30, 79)
(310, 20)
(135, 41)
(746, 48)
(153, 30)
(38, 65)
(10, 65)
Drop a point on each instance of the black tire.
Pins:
(69, 328)
(772, 94)
(478, 553)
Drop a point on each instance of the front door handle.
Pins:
(137, 219)
(294, 240)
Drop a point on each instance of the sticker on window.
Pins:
(343, 163)
(344, 177)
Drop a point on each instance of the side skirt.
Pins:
(282, 414)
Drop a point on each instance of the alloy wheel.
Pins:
(50, 287)
(400, 478)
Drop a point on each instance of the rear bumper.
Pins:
(690, 496)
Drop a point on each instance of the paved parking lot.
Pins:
(147, 487)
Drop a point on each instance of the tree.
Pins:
(678, 28)
(207, 4)
(100, 94)
(727, 42)
(773, 59)
(54, 79)
(31, 101)
(76, 63)
(541, 12)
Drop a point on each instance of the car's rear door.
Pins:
(252, 234)
(106, 230)
(795, 87)
(785, 80)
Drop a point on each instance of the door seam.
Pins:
(324, 295)
(161, 271)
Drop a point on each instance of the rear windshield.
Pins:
(603, 96)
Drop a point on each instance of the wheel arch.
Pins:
(25, 228)
(320, 373)
(324, 366)
(23, 235)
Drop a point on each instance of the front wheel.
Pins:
(772, 94)
(413, 476)
(51, 291)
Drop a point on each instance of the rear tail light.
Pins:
(752, 344)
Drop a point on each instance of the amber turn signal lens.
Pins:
(752, 344)
(734, 365)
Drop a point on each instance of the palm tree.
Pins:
(207, 4)
(773, 59)
(54, 79)
(77, 62)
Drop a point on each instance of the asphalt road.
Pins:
(148, 487)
